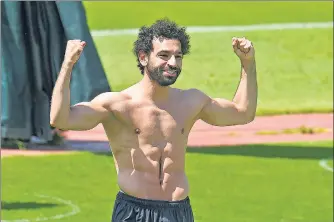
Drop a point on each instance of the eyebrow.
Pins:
(167, 51)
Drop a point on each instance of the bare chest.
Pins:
(153, 125)
(156, 127)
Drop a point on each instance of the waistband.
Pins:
(121, 196)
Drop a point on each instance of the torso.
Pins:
(149, 143)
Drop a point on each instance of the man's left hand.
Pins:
(243, 48)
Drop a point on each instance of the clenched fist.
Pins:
(243, 48)
(73, 51)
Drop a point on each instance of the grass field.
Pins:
(255, 183)
(119, 15)
(295, 67)
(295, 71)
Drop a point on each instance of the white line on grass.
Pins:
(324, 164)
(210, 29)
(74, 210)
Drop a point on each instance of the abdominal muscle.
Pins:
(146, 182)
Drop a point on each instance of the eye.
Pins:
(163, 56)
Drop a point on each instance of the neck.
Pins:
(152, 90)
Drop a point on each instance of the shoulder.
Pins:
(194, 99)
(109, 98)
(195, 95)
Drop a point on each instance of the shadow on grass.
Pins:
(290, 151)
(261, 150)
(25, 205)
(267, 151)
(104, 154)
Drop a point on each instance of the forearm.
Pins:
(246, 94)
(60, 102)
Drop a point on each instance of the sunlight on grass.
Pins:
(120, 15)
(266, 179)
(34, 207)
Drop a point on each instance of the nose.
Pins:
(172, 61)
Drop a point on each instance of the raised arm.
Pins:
(82, 116)
(242, 109)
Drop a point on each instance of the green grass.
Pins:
(330, 163)
(116, 15)
(295, 67)
(254, 183)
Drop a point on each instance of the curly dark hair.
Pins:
(162, 28)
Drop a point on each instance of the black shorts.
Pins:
(132, 209)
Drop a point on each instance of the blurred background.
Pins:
(288, 181)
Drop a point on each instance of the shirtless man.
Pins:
(148, 123)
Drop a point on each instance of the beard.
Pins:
(156, 74)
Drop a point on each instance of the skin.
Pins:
(148, 124)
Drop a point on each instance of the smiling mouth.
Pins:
(167, 73)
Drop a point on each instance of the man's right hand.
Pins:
(73, 51)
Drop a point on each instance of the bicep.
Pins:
(222, 112)
(85, 116)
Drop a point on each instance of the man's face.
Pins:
(165, 61)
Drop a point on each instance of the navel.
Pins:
(137, 131)
(182, 130)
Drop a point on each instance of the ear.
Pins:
(143, 58)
